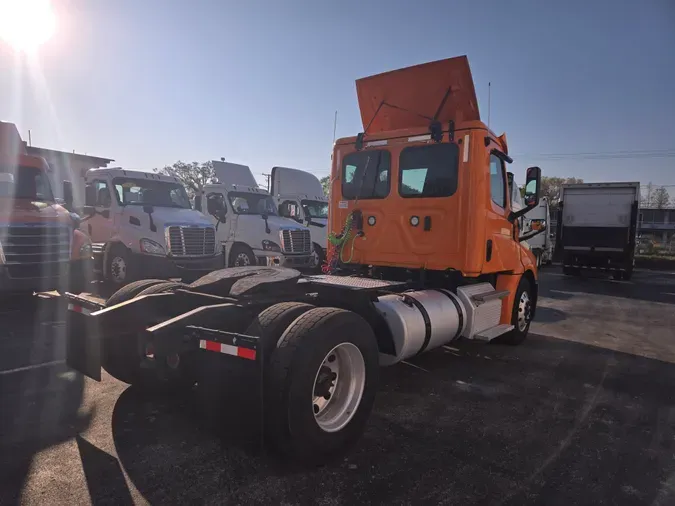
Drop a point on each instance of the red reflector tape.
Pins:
(78, 309)
(228, 349)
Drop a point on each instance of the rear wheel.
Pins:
(124, 356)
(130, 291)
(521, 315)
(163, 287)
(318, 256)
(321, 384)
(273, 321)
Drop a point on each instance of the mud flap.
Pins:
(83, 342)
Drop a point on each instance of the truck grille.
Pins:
(34, 251)
(188, 241)
(296, 241)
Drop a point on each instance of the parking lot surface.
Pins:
(582, 413)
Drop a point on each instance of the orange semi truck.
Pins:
(425, 250)
(41, 247)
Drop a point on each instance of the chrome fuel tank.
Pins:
(420, 321)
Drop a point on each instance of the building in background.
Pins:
(659, 226)
(66, 166)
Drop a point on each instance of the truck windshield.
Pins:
(315, 208)
(150, 192)
(22, 182)
(252, 203)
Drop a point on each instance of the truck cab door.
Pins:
(101, 226)
(501, 246)
(217, 210)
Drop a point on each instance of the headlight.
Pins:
(85, 251)
(151, 247)
(270, 246)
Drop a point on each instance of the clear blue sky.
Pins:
(150, 82)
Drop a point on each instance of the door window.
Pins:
(497, 183)
(102, 193)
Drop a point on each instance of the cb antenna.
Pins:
(334, 126)
(489, 97)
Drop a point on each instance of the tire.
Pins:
(521, 309)
(163, 287)
(241, 256)
(627, 274)
(272, 322)
(538, 257)
(119, 270)
(319, 255)
(291, 426)
(130, 291)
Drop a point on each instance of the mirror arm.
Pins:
(530, 235)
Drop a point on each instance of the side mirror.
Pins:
(148, 209)
(90, 195)
(532, 189)
(68, 195)
(198, 202)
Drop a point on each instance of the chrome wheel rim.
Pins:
(524, 311)
(315, 258)
(118, 269)
(338, 387)
(242, 260)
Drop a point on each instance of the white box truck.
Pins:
(247, 222)
(597, 227)
(142, 225)
(300, 197)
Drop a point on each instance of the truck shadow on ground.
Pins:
(645, 285)
(38, 407)
(551, 421)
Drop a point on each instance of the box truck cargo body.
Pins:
(597, 225)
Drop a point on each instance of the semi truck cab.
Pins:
(143, 226)
(41, 247)
(300, 197)
(247, 222)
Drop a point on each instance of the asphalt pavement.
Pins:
(583, 412)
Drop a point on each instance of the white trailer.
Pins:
(597, 227)
(247, 222)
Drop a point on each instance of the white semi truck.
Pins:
(300, 197)
(597, 227)
(541, 244)
(247, 222)
(142, 226)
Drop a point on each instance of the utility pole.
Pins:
(267, 180)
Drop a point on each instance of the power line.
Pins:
(597, 155)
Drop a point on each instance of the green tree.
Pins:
(660, 198)
(193, 175)
(325, 182)
(550, 187)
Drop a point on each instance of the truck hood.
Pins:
(27, 211)
(283, 223)
(410, 97)
(169, 216)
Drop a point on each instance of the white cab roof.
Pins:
(287, 181)
(233, 174)
(134, 174)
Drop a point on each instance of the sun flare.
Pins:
(26, 24)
